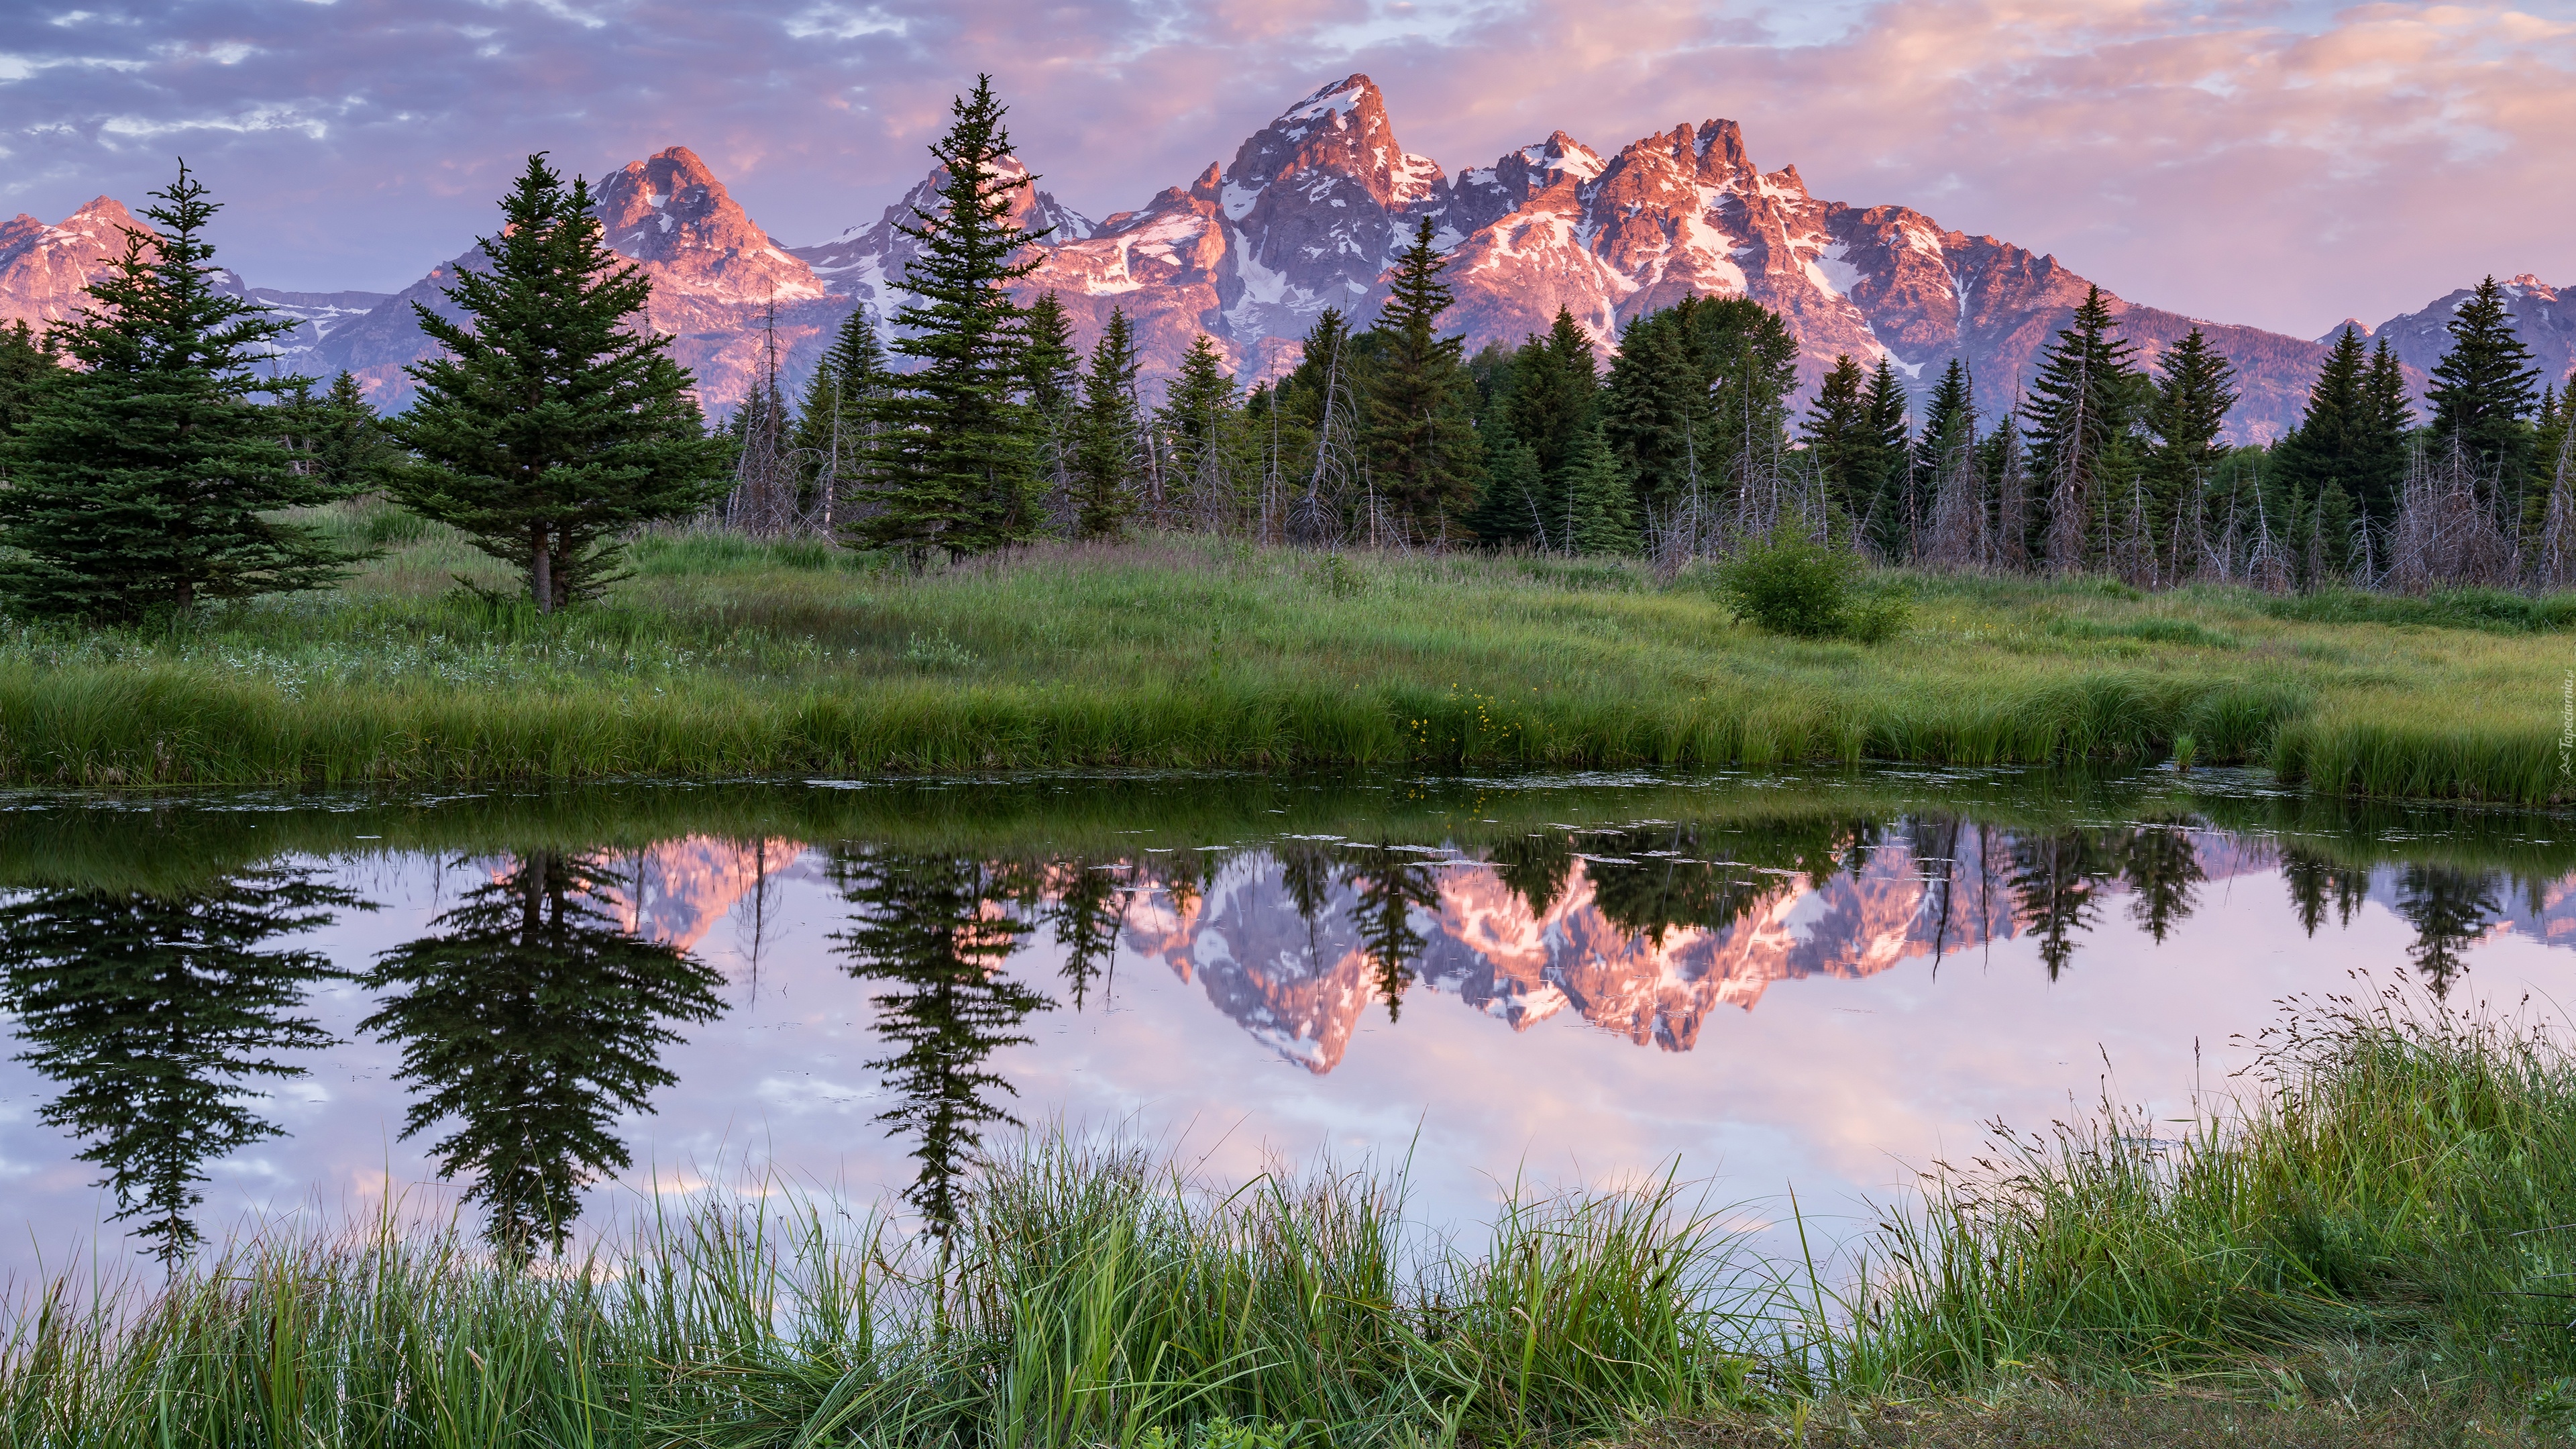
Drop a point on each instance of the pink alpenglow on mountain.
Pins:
(1311, 212)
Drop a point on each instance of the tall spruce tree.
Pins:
(2328, 445)
(1594, 497)
(555, 423)
(1555, 391)
(1948, 418)
(145, 478)
(2389, 415)
(1423, 453)
(1051, 384)
(26, 364)
(1896, 506)
(961, 456)
(2483, 394)
(1837, 435)
(1112, 449)
(2194, 392)
(838, 423)
(1200, 425)
(2080, 409)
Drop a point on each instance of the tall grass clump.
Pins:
(1083, 1296)
(2395, 1186)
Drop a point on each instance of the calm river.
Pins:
(536, 1009)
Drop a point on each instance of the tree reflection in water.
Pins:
(2449, 908)
(157, 1013)
(531, 1020)
(937, 931)
(1389, 885)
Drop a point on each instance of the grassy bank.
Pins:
(723, 658)
(2369, 1246)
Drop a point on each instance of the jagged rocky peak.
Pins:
(670, 212)
(1334, 138)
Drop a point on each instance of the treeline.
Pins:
(141, 475)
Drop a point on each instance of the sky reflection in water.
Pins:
(529, 1004)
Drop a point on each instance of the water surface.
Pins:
(533, 1006)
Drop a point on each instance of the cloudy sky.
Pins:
(2283, 164)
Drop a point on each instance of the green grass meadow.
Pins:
(722, 657)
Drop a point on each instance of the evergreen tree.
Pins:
(961, 455)
(351, 453)
(837, 425)
(1837, 436)
(2482, 395)
(1592, 492)
(2381, 454)
(1885, 466)
(2080, 411)
(1949, 417)
(26, 365)
(158, 1013)
(145, 478)
(927, 927)
(555, 423)
(1051, 381)
(1420, 402)
(533, 1020)
(1513, 506)
(2333, 436)
(1555, 392)
(1113, 435)
(1200, 424)
(2193, 395)
(1697, 402)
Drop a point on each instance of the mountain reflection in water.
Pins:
(163, 976)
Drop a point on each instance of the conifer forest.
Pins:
(148, 466)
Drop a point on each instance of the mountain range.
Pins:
(1310, 213)
(1304, 984)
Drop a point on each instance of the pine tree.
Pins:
(2193, 395)
(532, 1021)
(1113, 435)
(1420, 402)
(2080, 414)
(1837, 435)
(839, 422)
(26, 364)
(351, 453)
(1051, 382)
(1200, 424)
(2381, 452)
(159, 1013)
(1886, 466)
(1514, 507)
(2482, 395)
(1593, 491)
(961, 456)
(1555, 391)
(145, 479)
(2327, 444)
(555, 423)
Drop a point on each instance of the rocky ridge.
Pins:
(1311, 212)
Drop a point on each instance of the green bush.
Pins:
(1793, 585)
